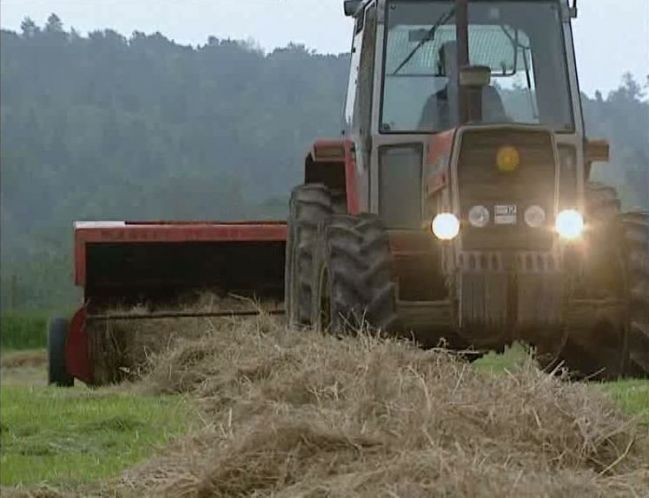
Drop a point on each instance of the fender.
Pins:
(333, 162)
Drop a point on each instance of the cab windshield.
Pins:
(521, 41)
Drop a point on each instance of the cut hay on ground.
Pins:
(299, 414)
(120, 348)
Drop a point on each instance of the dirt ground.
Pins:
(24, 368)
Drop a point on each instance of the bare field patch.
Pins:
(27, 368)
(24, 359)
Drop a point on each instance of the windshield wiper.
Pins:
(430, 36)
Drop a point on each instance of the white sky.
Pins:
(612, 36)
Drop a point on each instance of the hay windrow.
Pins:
(300, 414)
(120, 348)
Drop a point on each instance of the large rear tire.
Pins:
(605, 261)
(309, 205)
(57, 335)
(617, 268)
(352, 283)
(636, 235)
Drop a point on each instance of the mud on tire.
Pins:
(309, 205)
(351, 282)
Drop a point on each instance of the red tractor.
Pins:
(457, 206)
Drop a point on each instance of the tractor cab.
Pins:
(514, 68)
(425, 68)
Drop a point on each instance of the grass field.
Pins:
(633, 397)
(22, 330)
(68, 437)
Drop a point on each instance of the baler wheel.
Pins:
(56, 336)
(310, 204)
(352, 282)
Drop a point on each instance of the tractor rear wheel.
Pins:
(617, 268)
(309, 205)
(57, 335)
(604, 262)
(351, 282)
(636, 235)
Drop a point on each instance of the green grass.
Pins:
(496, 363)
(70, 437)
(633, 397)
(22, 330)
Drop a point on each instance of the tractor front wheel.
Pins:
(351, 282)
(309, 205)
(57, 335)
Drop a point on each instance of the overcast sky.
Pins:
(612, 36)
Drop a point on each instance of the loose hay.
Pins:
(120, 348)
(300, 414)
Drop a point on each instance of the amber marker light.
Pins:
(508, 159)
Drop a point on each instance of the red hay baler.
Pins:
(157, 266)
(131, 271)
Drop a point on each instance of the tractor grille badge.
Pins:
(508, 159)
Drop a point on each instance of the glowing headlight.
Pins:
(446, 226)
(479, 216)
(535, 216)
(570, 224)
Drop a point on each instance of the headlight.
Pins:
(446, 226)
(479, 216)
(570, 224)
(535, 216)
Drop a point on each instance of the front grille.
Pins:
(482, 183)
